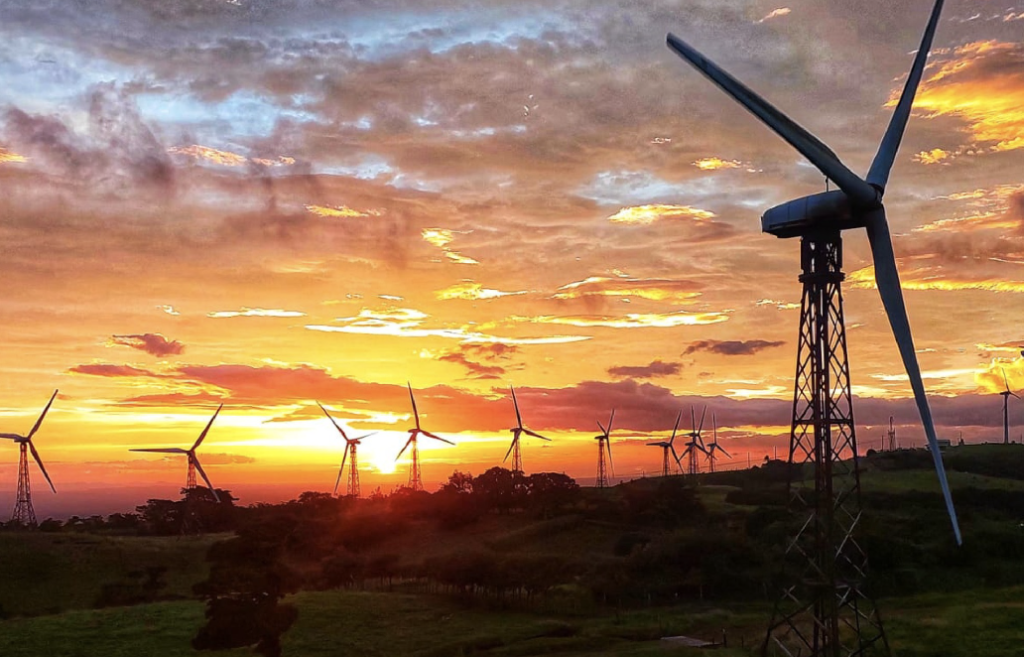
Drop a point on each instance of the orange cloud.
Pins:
(223, 158)
(648, 214)
(472, 292)
(934, 156)
(632, 320)
(714, 164)
(982, 83)
(931, 278)
(775, 13)
(342, 211)
(653, 289)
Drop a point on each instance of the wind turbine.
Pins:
(667, 446)
(1006, 417)
(517, 431)
(822, 429)
(415, 481)
(193, 460)
(713, 446)
(604, 443)
(351, 444)
(24, 514)
(695, 445)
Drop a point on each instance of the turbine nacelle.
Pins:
(828, 210)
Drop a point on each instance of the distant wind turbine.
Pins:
(713, 446)
(415, 480)
(193, 460)
(351, 445)
(1006, 394)
(24, 514)
(695, 445)
(666, 447)
(517, 432)
(604, 444)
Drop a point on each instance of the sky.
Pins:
(269, 204)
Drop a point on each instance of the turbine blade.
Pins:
(608, 446)
(39, 462)
(675, 428)
(407, 443)
(878, 175)
(342, 468)
(674, 454)
(513, 444)
(519, 418)
(702, 415)
(333, 421)
(436, 437)
(414, 411)
(611, 420)
(1014, 395)
(722, 450)
(820, 155)
(363, 437)
(693, 421)
(10, 436)
(1005, 382)
(202, 436)
(714, 429)
(202, 473)
(887, 279)
(41, 416)
(536, 435)
(603, 430)
(161, 450)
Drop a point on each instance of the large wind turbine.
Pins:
(415, 481)
(713, 446)
(604, 444)
(666, 447)
(831, 591)
(193, 460)
(517, 431)
(351, 445)
(24, 514)
(1006, 416)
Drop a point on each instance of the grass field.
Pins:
(984, 623)
(47, 573)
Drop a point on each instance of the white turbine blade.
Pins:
(414, 411)
(887, 279)
(342, 468)
(820, 155)
(878, 175)
(202, 473)
(436, 437)
(39, 462)
(333, 421)
(161, 450)
(202, 436)
(41, 416)
(519, 418)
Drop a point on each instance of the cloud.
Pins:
(775, 13)
(110, 370)
(654, 289)
(934, 156)
(732, 347)
(714, 164)
(648, 214)
(471, 291)
(341, 211)
(7, 156)
(779, 305)
(655, 369)
(632, 320)
(482, 361)
(212, 155)
(151, 343)
(255, 312)
(408, 323)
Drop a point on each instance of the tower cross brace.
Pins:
(823, 609)
(24, 514)
(353, 471)
(602, 464)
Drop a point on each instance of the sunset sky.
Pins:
(268, 203)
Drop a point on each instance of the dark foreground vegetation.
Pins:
(501, 564)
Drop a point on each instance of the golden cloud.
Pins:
(472, 292)
(931, 278)
(648, 214)
(775, 13)
(990, 379)
(256, 312)
(632, 320)
(933, 156)
(224, 158)
(460, 259)
(8, 156)
(653, 289)
(342, 211)
(714, 164)
(982, 83)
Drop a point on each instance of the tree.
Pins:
(500, 489)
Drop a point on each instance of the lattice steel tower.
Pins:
(823, 608)
(24, 514)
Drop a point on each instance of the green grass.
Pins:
(979, 623)
(47, 573)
